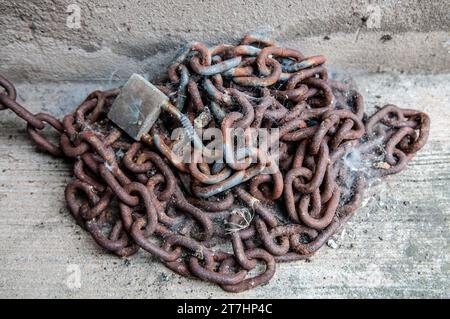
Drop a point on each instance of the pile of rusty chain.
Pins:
(131, 195)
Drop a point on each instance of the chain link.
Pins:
(182, 214)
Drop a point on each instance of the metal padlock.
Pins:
(137, 107)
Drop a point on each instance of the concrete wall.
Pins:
(117, 38)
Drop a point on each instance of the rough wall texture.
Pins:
(117, 38)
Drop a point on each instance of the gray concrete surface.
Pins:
(117, 38)
(396, 246)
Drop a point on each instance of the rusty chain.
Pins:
(133, 195)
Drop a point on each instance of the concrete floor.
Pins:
(396, 246)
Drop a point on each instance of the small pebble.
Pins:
(332, 244)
